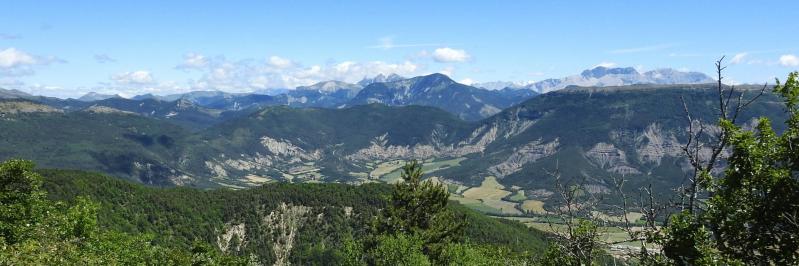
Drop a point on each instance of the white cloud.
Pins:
(789, 60)
(279, 62)
(11, 57)
(606, 64)
(193, 61)
(448, 55)
(247, 75)
(220, 73)
(739, 58)
(140, 77)
(15, 62)
(467, 81)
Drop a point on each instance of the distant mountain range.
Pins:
(435, 90)
(467, 102)
(603, 76)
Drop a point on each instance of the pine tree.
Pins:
(419, 208)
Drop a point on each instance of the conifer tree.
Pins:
(419, 208)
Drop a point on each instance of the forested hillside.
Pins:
(315, 219)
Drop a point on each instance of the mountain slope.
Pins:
(123, 144)
(314, 144)
(599, 133)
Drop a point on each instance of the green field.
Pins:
(518, 196)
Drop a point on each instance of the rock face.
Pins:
(607, 156)
(283, 224)
(223, 241)
(528, 153)
(286, 150)
(654, 144)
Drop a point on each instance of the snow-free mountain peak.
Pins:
(379, 78)
(94, 96)
(331, 86)
(13, 94)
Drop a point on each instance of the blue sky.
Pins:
(67, 48)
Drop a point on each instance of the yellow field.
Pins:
(489, 189)
(256, 180)
(385, 168)
(535, 206)
(488, 198)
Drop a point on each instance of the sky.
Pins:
(68, 48)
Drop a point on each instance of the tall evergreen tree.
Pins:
(419, 208)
